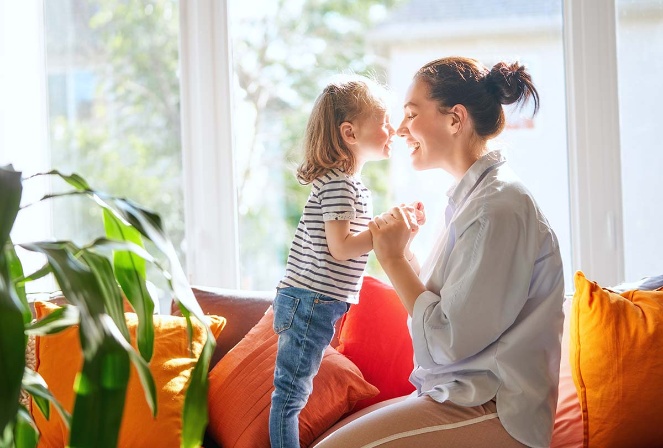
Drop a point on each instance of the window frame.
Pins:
(590, 41)
(210, 204)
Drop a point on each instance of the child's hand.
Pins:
(419, 212)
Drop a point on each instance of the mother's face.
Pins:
(427, 130)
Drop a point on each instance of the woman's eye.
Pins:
(410, 117)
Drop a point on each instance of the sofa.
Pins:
(611, 372)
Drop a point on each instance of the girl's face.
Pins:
(426, 129)
(373, 133)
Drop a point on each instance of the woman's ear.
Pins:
(347, 133)
(459, 117)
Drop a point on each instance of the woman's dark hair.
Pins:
(460, 80)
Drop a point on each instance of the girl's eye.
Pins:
(410, 117)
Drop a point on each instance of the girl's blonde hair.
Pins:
(342, 100)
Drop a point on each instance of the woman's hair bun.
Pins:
(511, 83)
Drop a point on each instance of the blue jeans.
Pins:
(304, 321)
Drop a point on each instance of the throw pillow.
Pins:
(374, 335)
(59, 359)
(241, 385)
(617, 364)
(567, 432)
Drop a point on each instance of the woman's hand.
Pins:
(417, 208)
(419, 212)
(392, 231)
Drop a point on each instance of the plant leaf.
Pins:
(12, 338)
(101, 385)
(194, 414)
(12, 350)
(41, 272)
(130, 273)
(194, 418)
(100, 388)
(110, 292)
(142, 367)
(15, 270)
(150, 226)
(25, 430)
(35, 385)
(10, 200)
(59, 320)
(73, 179)
(79, 286)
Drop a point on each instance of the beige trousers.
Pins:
(419, 422)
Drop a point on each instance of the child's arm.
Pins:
(343, 244)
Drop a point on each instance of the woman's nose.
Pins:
(402, 130)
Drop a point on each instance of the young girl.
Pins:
(348, 127)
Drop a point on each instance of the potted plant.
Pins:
(94, 279)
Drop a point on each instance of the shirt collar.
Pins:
(459, 192)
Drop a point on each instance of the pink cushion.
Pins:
(567, 432)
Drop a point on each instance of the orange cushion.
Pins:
(374, 335)
(59, 359)
(617, 364)
(241, 386)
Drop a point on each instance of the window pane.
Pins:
(113, 106)
(640, 56)
(283, 56)
(529, 32)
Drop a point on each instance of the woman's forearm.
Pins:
(414, 262)
(404, 279)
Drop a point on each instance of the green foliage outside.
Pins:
(125, 132)
(282, 60)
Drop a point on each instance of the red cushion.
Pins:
(374, 336)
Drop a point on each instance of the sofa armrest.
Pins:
(242, 310)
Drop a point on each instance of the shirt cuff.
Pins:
(335, 216)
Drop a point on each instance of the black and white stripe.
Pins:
(334, 196)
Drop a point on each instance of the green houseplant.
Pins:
(95, 280)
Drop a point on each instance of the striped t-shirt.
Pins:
(334, 196)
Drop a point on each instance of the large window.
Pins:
(113, 103)
(284, 53)
(123, 90)
(110, 101)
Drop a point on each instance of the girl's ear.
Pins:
(347, 133)
(459, 117)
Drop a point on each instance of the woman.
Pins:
(486, 308)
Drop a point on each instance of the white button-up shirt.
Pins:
(490, 323)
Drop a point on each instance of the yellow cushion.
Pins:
(59, 358)
(241, 385)
(616, 359)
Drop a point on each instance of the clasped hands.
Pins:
(393, 230)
